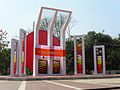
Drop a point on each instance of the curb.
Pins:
(30, 78)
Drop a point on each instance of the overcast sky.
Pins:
(90, 15)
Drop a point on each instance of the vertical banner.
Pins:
(99, 60)
(23, 54)
(79, 56)
(15, 57)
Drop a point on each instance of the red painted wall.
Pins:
(30, 44)
(29, 51)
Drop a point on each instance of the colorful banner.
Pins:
(15, 62)
(56, 66)
(23, 44)
(79, 59)
(79, 64)
(99, 60)
(49, 52)
(99, 64)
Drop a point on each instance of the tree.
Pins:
(3, 43)
(4, 54)
(90, 40)
(60, 20)
(112, 50)
(5, 62)
(70, 56)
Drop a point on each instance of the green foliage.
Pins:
(112, 50)
(28, 72)
(5, 62)
(69, 56)
(113, 57)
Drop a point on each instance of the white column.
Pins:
(12, 59)
(62, 44)
(36, 63)
(17, 55)
(25, 54)
(64, 58)
(95, 62)
(103, 53)
(64, 66)
(61, 66)
(62, 39)
(22, 34)
(83, 54)
(36, 34)
(50, 41)
(20, 54)
(36, 42)
(75, 56)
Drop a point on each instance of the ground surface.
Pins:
(79, 84)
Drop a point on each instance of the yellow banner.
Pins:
(99, 60)
(79, 59)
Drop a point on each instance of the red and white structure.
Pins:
(41, 51)
(99, 59)
(50, 55)
(22, 52)
(79, 55)
(14, 57)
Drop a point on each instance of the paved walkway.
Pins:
(77, 84)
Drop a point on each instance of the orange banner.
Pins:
(79, 49)
(99, 64)
(49, 52)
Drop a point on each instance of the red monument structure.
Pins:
(41, 51)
